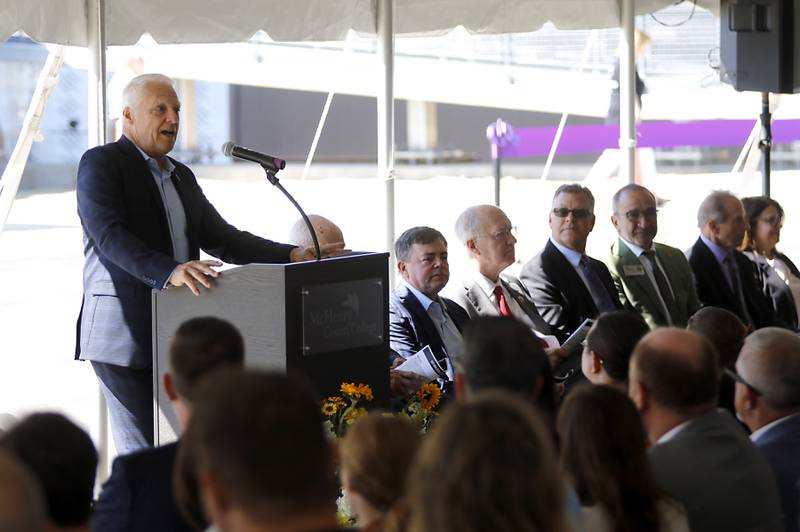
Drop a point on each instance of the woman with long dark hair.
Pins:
(603, 452)
(487, 466)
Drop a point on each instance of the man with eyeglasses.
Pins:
(567, 285)
(724, 277)
(767, 400)
(654, 279)
(489, 239)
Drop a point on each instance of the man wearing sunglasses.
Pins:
(567, 285)
(767, 400)
(654, 279)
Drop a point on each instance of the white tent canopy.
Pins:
(193, 21)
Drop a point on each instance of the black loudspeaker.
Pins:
(758, 46)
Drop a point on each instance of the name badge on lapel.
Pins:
(632, 270)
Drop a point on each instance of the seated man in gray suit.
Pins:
(768, 402)
(488, 236)
(700, 455)
(652, 278)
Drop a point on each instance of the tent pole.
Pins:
(627, 66)
(96, 39)
(385, 34)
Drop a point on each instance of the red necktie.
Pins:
(501, 301)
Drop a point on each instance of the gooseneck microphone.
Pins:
(271, 163)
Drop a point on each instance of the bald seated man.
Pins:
(328, 233)
(767, 400)
(145, 220)
(699, 454)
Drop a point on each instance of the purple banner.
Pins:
(536, 142)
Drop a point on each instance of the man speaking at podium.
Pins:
(144, 221)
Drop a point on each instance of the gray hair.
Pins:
(713, 208)
(415, 235)
(133, 90)
(632, 187)
(574, 188)
(770, 360)
(468, 223)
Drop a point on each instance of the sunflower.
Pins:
(429, 395)
(365, 391)
(336, 399)
(350, 389)
(329, 408)
(352, 414)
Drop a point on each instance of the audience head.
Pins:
(22, 506)
(422, 260)
(721, 219)
(604, 452)
(635, 216)
(572, 216)
(259, 452)
(673, 376)
(768, 377)
(327, 232)
(62, 458)
(151, 113)
(489, 238)
(374, 457)
(199, 347)
(608, 347)
(764, 223)
(488, 464)
(723, 329)
(502, 353)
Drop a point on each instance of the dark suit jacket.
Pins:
(776, 289)
(411, 328)
(128, 249)
(474, 300)
(713, 290)
(138, 496)
(713, 469)
(559, 292)
(781, 446)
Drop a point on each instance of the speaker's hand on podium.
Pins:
(327, 250)
(193, 272)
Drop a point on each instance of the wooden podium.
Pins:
(327, 319)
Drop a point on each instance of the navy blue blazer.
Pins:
(411, 328)
(128, 249)
(781, 446)
(138, 496)
(713, 289)
(559, 292)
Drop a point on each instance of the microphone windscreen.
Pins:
(227, 148)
